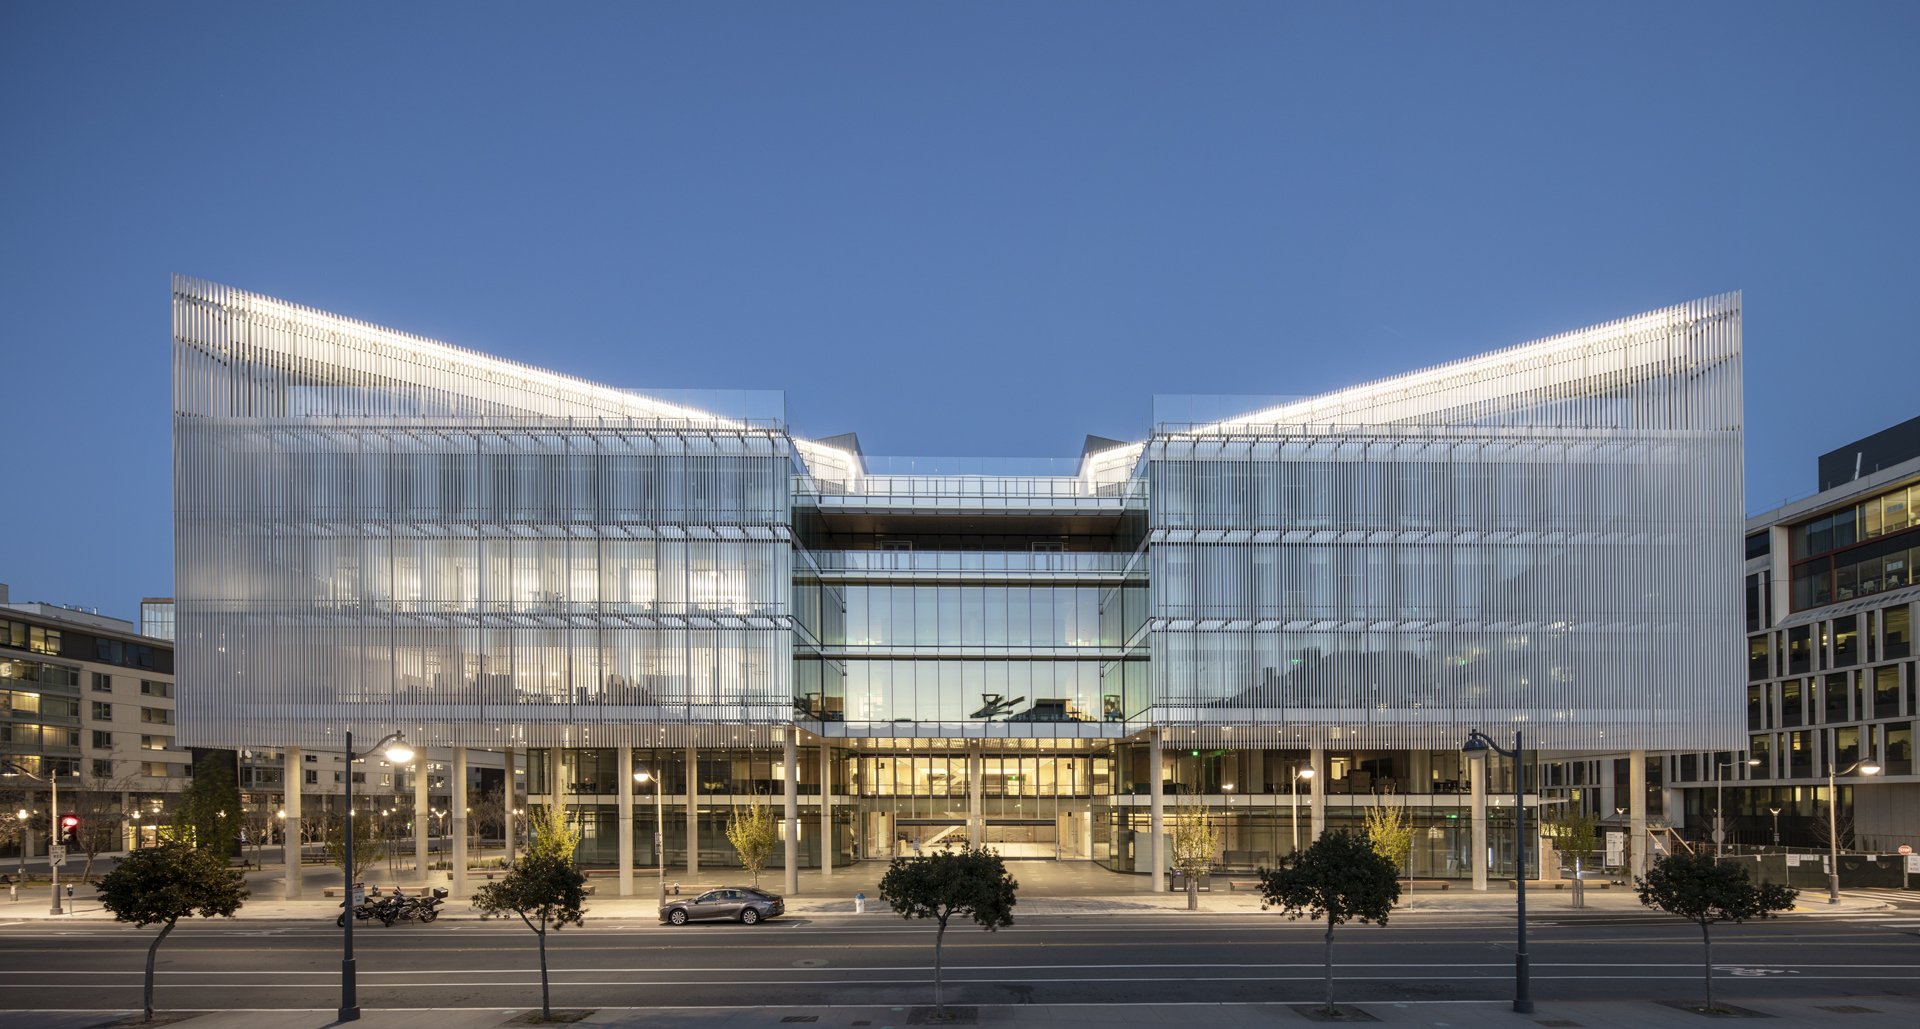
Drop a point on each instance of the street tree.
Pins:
(1576, 833)
(1705, 890)
(969, 881)
(547, 892)
(1340, 878)
(1389, 832)
(161, 885)
(369, 844)
(551, 833)
(1193, 839)
(754, 833)
(209, 810)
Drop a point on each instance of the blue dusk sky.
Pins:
(982, 229)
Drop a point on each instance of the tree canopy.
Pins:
(161, 885)
(209, 810)
(970, 881)
(551, 832)
(1705, 890)
(754, 833)
(1341, 878)
(547, 892)
(1193, 839)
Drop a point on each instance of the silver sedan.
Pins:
(743, 904)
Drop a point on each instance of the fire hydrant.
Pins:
(860, 903)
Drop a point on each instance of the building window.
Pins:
(151, 688)
(156, 716)
(102, 682)
(102, 768)
(102, 712)
(313, 777)
(154, 742)
(102, 740)
(154, 769)
(1898, 622)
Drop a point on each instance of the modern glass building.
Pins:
(380, 532)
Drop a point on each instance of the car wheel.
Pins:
(748, 916)
(678, 916)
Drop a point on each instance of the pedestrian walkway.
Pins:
(1046, 888)
(1818, 1013)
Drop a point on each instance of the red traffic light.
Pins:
(68, 822)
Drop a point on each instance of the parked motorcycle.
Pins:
(423, 907)
(371, 908)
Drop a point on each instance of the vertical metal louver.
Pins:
(1548, 535)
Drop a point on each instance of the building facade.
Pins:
(383, 533)
(1831, 588)
(87, 699)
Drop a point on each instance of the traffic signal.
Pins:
(70, 829)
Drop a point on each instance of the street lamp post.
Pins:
(398, 753)
(52, 780)
(659, 830)
(1478, 743)
(23, 814)
(1293, 802)
(1864, 767)
(1720, 805)
(1775, 812)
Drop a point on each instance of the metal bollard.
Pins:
(860, 903)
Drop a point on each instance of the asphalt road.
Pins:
(879, 959)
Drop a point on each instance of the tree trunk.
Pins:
(939, 937)
(1193, 893)
(151, 950)
(1706, 934)
(1330, 1009)
(546, 1005)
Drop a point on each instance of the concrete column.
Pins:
(512, 797)
(295, 777)
(976, 804)
(555, 789)
(1156, 842)
(1317, 794)
(1637, 811)
(624, 764)
(792, 755)
(1419, 773)
(693, 811)
(1477, 779)
(826, 806)
(457, 811)
(422, 815)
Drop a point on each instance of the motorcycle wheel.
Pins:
(341, 922)
(428, 916)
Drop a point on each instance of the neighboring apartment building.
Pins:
(89, 699)
(378, 532)
(1832, 583)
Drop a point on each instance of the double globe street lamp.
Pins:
(398, 753)
(1477, 745)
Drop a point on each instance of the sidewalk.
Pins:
(1046, 888)
(1819, 1013)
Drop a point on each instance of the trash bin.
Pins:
(860, 903)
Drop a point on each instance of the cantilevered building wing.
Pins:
(1546, 536)
(372, 528)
